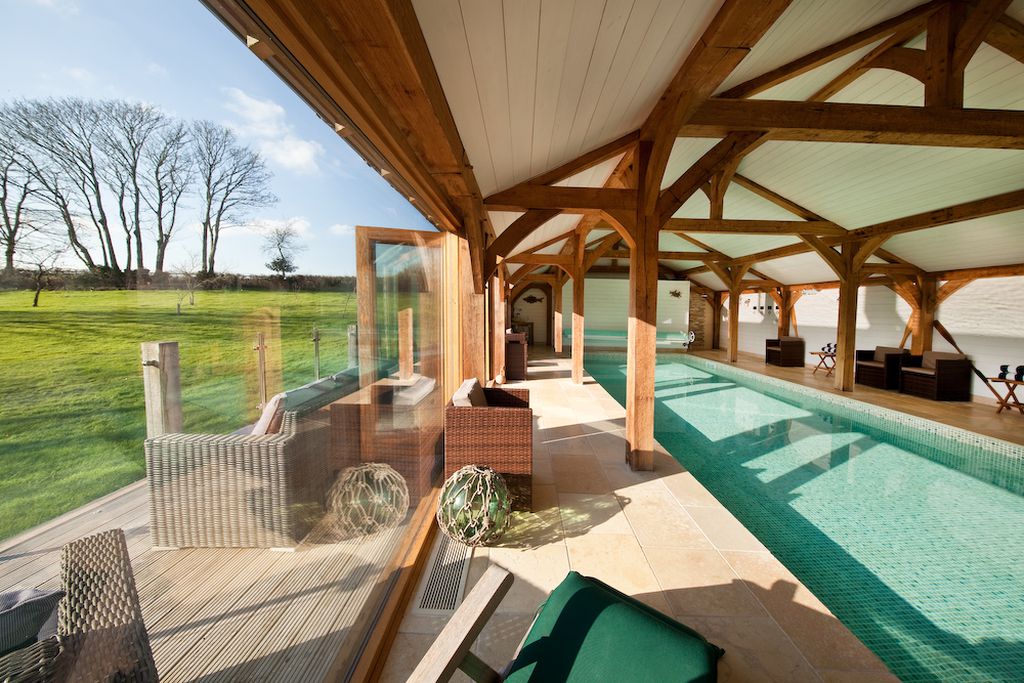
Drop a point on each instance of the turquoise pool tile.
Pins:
(907, 529)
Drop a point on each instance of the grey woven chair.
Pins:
(239, 490)
(100, 632)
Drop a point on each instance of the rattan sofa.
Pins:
(784, 351)
(880, 368)
(498, 435)
(244, 490)
(937, 375)
(100, 632)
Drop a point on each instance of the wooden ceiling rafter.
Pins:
(888, 124)
(833, 51)
(753, 226)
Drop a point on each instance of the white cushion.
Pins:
(274, 405)
(461, 396)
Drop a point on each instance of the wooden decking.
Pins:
(978, 415)
(225, 614)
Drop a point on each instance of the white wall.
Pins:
(607, 305)
(986, 318)
(536, 313)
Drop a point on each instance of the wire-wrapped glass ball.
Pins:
(474, 506)
(367, 498)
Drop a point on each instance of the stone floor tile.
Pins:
(701, 582)
(592, 513)
(724, 530)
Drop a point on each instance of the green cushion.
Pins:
(588, 631)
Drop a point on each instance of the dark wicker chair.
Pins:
(937, 375)
(515, 356)
(880, 368)
(100, 632)
(499, 436)
(785, 351)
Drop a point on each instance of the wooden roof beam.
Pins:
(735, 28)
(667, 255)
(726, 153)
(515, 233)
(1011, 270)
(833, 51)
(587, 160)
(1007, 36)
(565, 199)
(754, 227)
(865, 123)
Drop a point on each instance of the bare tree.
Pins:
(233, 180)
(40, 256)
(126, 132)
(64, 157)
(280, 245)
(169, 175)
(16, 188)
(189, 272)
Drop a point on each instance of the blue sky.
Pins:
(176, 55)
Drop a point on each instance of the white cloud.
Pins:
(261, 226)
(263, 122)
(342, 230)
(66, 8)
(156, 69)
(80, 75)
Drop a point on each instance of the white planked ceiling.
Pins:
(797, 269)
(535, 83)
(861, 184)
(991, 241)
(808, 25)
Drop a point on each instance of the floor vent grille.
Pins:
(443, 588)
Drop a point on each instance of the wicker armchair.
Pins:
(100, 632)
(240, 490)
(880, 368)
(499, 436)
(784, 351)
(937, 375)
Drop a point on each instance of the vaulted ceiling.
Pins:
(460, 102)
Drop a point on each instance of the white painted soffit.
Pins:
(802, 87)
(533, 84)
(709, 280)
(741, 245)
(990, 241)
(809, 25)
(992, 80)
(797, 269)
(861, 184)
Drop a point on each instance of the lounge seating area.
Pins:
(937, 375)
(787, 352)
(880, 368)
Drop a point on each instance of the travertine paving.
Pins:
(659, 536)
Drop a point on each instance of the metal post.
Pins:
(353, 345)
(261, 367)
(316, 350)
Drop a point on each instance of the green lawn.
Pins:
(72, 417)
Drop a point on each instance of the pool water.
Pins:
(922, 562)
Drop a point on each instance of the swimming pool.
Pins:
(911, 532)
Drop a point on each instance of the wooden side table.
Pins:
(1010, 401)
(826, 361)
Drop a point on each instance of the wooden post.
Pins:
(496, 289)
(405, 336)
(473, 315)
(578, 281)
(716, 318)
(261, 367)
(925, 321)
(642, 352)
(846, 333)
(161, 379)
(785, 310)
(366, 304)
(734, 322)
(353, 345)
(556, 323)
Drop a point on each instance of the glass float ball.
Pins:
(475, 506)
(367, 498)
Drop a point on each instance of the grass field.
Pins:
(72, 417)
